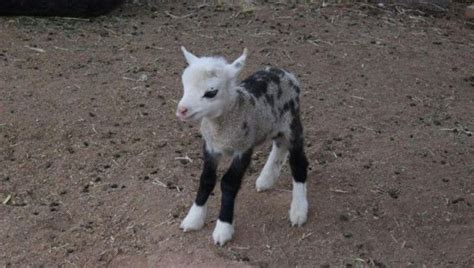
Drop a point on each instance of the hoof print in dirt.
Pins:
(347, 235)
(344, 217)
(113, 187)
(53, 206)
(85, 189)
(172, 186)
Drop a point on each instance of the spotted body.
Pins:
(265, 107)
(235, 117)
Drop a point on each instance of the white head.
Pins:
(208, 86)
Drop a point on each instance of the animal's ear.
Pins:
(190, 58)
(236, 67)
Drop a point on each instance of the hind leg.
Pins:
(299, 170)
(272, 168)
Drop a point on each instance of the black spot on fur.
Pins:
(269, 99)
(240, 97)
(257, 84)
(277, 71)
(275, 114)
(275, 79)
(246, 129)
(281, 74)
(294, 86)
(278, 135)
(296, 129)
(282, 110)
(252, 101)
(288, 106)
(280, 92)
(278, 143)
(292, 107)
(255, 87)
(297, 89)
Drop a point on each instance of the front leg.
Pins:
(197, 214)
(230, 187)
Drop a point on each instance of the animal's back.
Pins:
(272, 82)
(275, 93)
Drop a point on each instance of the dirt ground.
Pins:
(95, 170)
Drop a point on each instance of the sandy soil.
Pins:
(91, 156)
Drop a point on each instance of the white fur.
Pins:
(195, 219)
(222, 233)
(271, 170)
(207, 74)
(299, 204)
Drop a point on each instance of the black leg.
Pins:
(298, 164)
(298, 161)
(208, 177)
(299, 170)
(230, 185)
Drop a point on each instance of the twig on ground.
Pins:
(9, 197)
(241, 248)
(459, 130)
(186, 157)
(40, 50)
(282, 190)
(394, 239)
(71, 18)
(357, 97)
(158, 182)
(306, 236)
(339, 191)
(287, 54)
(60, 48)
(178, 17)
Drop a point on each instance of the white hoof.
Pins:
(195, 219)
(265, 181)
(222, 233)
(298, 212)
(299, 205)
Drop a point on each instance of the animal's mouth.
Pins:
(190, 117)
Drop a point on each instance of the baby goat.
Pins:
(235, 117)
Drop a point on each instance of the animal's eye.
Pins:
(210, 94)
